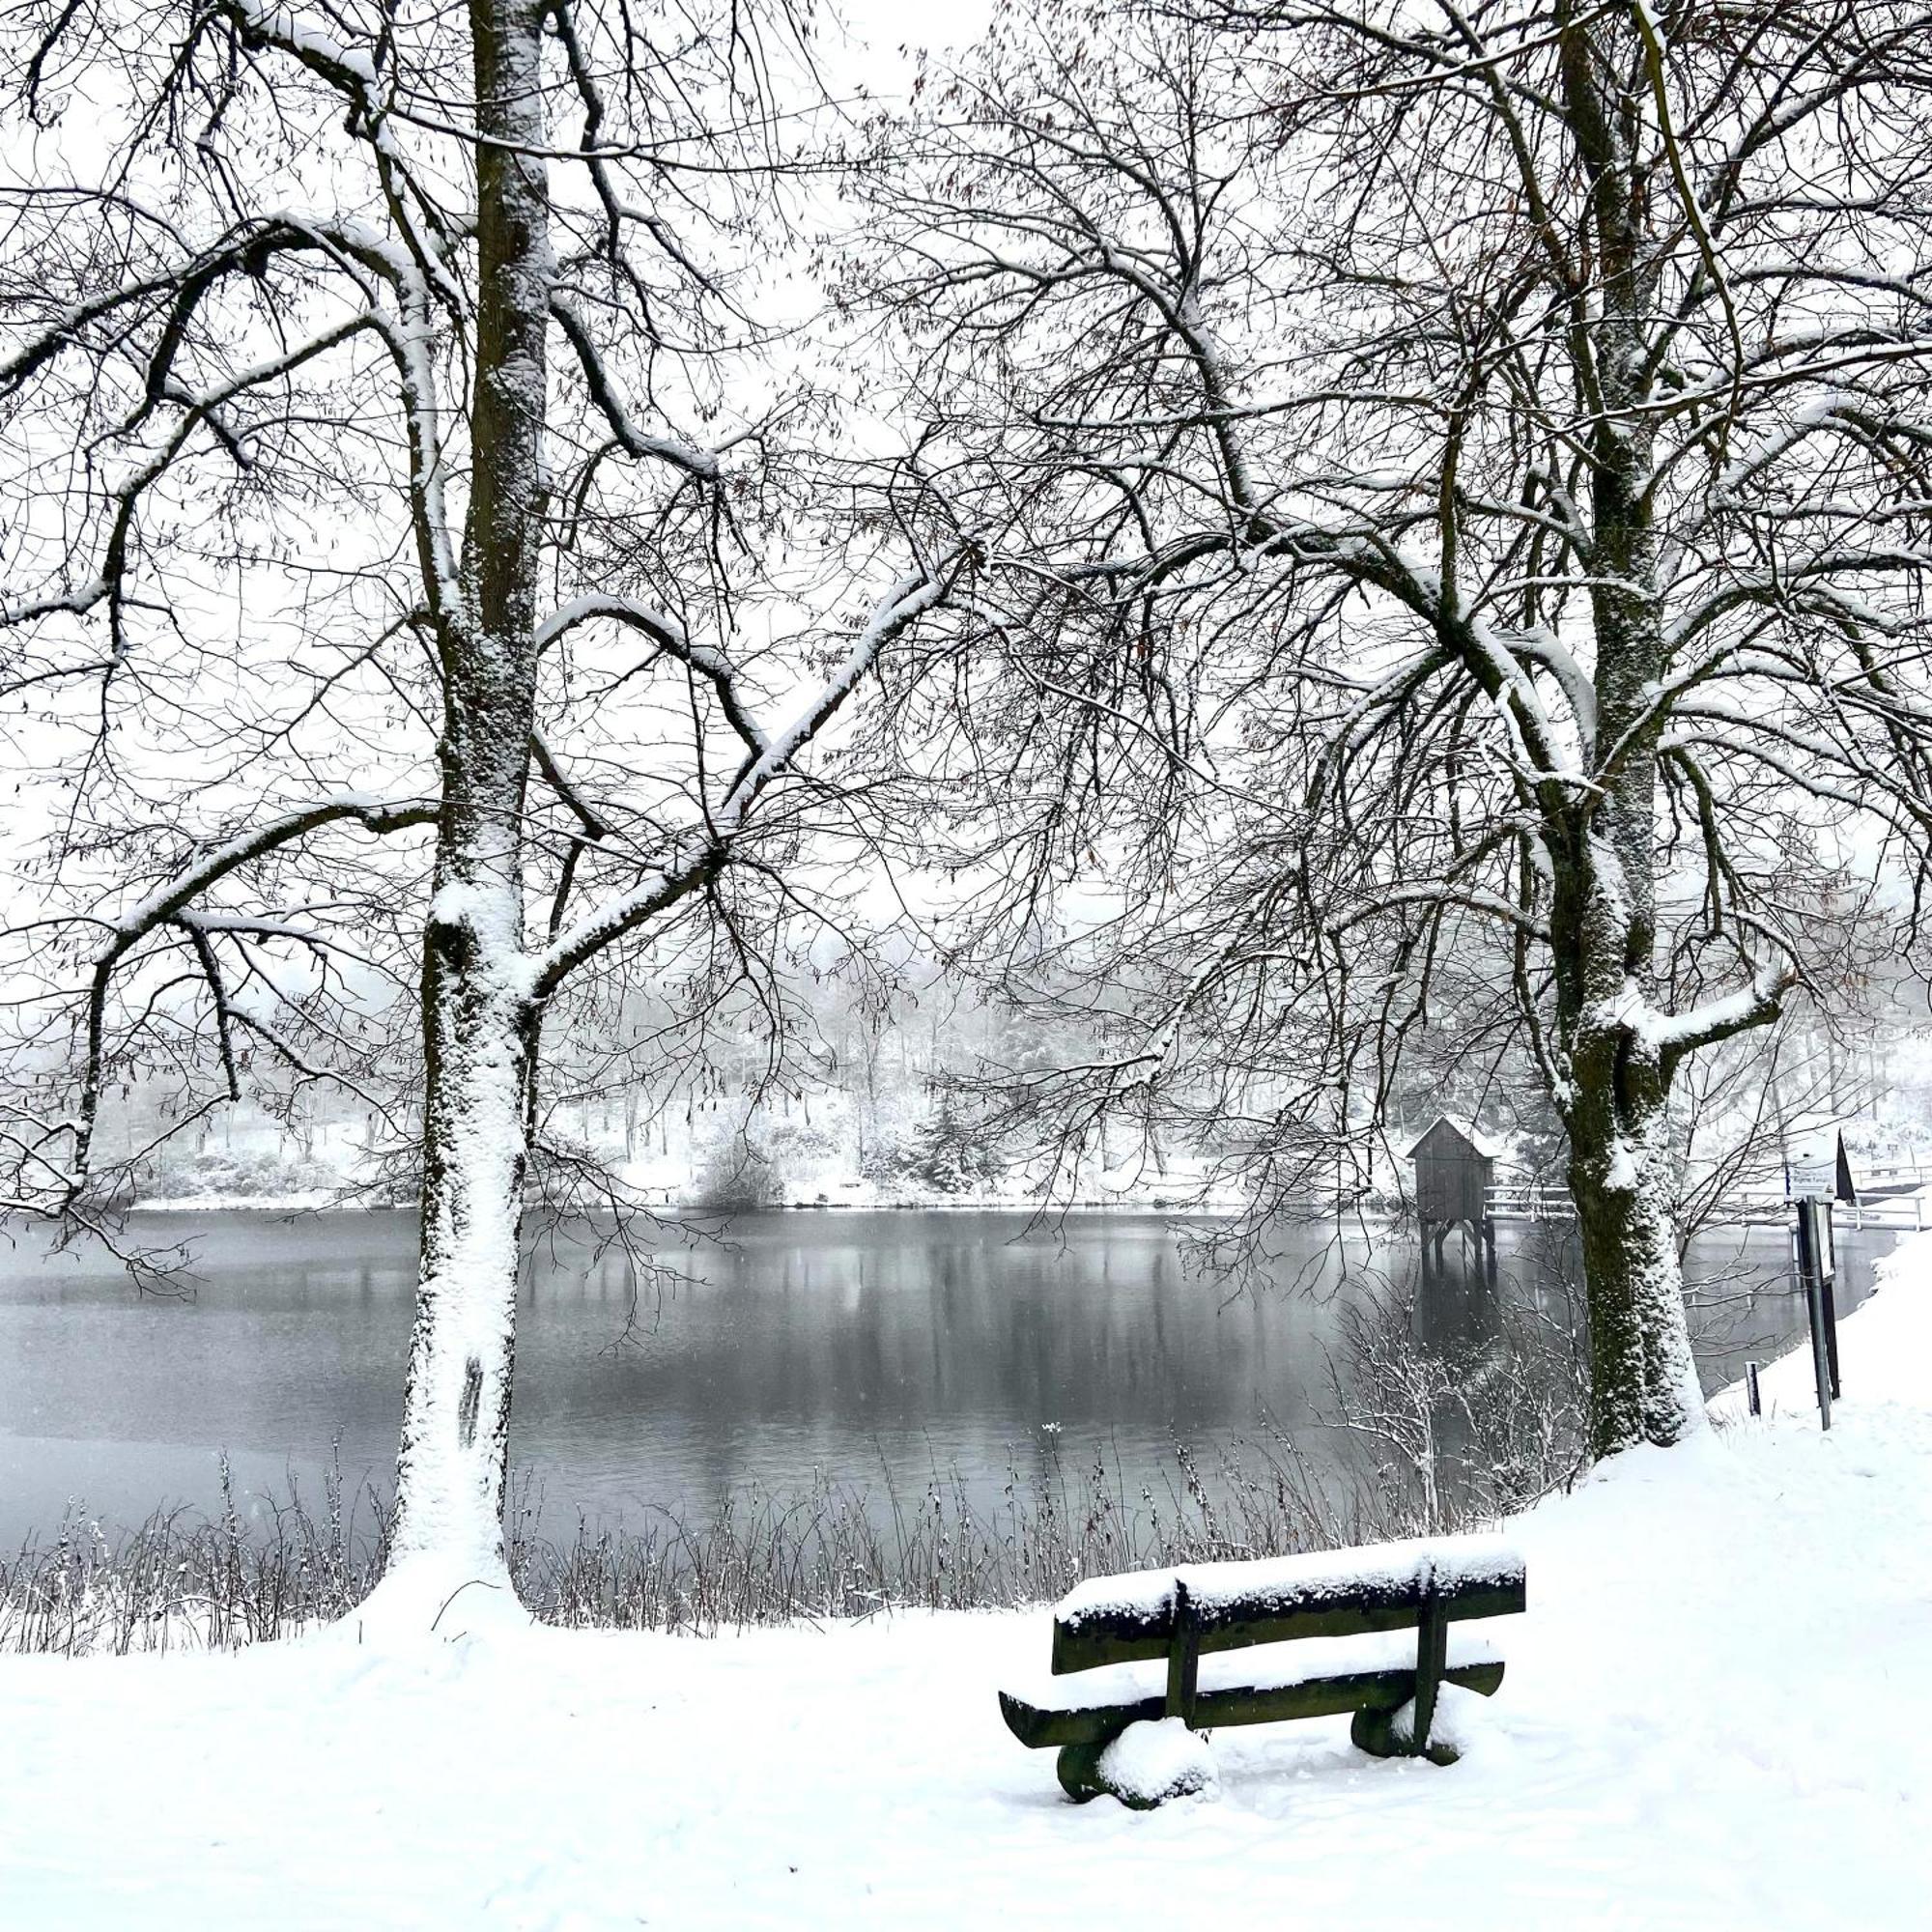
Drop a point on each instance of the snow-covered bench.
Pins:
(1351, 1604)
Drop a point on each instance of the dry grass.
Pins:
(187, 1581)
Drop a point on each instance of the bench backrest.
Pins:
(1335, 1593)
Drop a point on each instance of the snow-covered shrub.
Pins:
(769, 1161)
(265, 1174)
(1468, 1404)
(940, 1155)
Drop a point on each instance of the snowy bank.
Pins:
(1718, 1715)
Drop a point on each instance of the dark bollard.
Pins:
(1829, 1293)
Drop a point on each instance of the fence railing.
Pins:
(1893, 1173)
(1908, 1212)
(1528, 1201)
(1904, 1213)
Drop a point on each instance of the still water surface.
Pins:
(871, 1348)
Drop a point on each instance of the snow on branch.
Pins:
(375, 267)
(587, 816)
(1445, 893)
(246, 926)
(168, 906)
(68, 326)
(892, 615)
(702, 853)
(633, 441)
(670, 638)
(77, 603)
(1672, 1035)
(699, 860)
(343, 67)
(166, 901)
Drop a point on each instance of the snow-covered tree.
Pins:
(410, 571)
(1460, 475)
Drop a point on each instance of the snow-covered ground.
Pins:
(1718, 1715)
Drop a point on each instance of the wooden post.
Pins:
(1183, 1658)
(1753, 1398)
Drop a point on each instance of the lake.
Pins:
(868, 1347)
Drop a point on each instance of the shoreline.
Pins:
(311, 1203)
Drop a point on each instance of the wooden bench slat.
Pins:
(1387, 1572)
(1039, 1726)
(1132, 1636)
(1333, 1696)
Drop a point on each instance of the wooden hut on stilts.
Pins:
(1454, 1169)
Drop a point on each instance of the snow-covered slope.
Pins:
(1719, 1714)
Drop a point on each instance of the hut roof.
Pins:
(1482, 1143)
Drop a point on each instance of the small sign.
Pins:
(1817, 1241)
(1820, 1170)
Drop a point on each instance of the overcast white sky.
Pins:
(881, 27)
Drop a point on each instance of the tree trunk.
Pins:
(480, 1025)
(1643, 1383)
(1615, 1095)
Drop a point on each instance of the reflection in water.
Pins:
(876, 1349)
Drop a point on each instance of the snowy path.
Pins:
(1718, 1713)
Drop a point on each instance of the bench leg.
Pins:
(1375, 1732)
(1431, 1659)
(1083, 1775)
(1183, 1658)
(1078, 1769)
(1078, 1766)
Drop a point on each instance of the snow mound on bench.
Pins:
(1460, 1719)
(1157, 1759)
